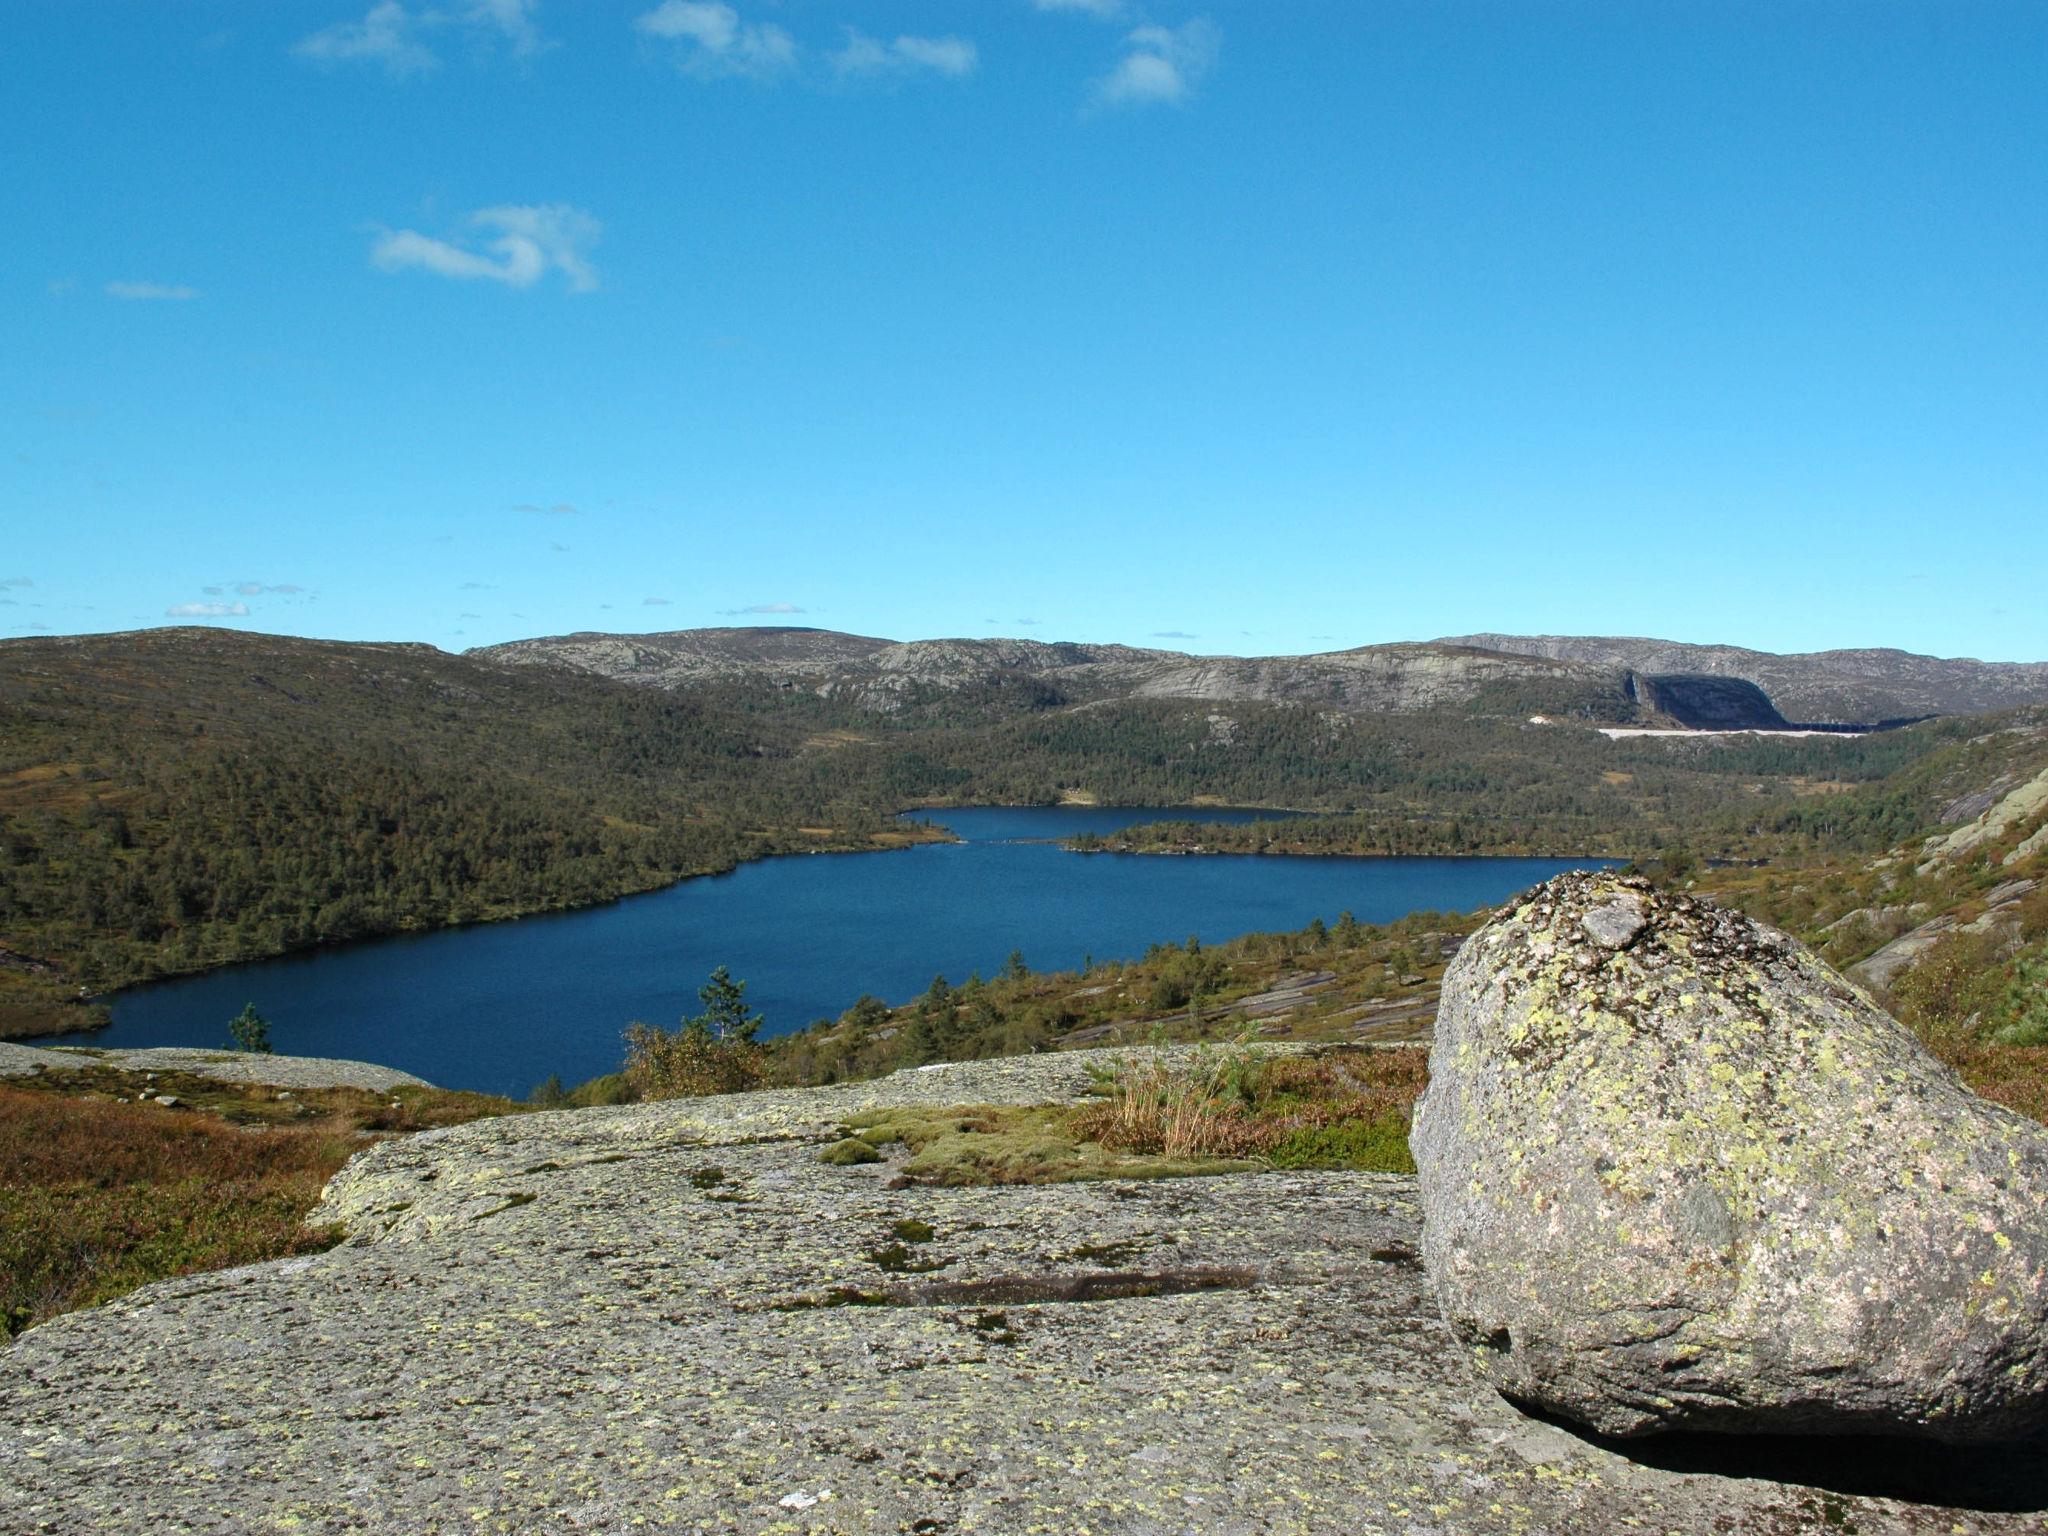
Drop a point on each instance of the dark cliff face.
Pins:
(1709, 703)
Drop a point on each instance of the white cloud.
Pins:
(395, 37)
(170, 291)
(207, 611)
(528, 241)
(711, 39)
(513, 22)
(1164, 64)
(388, 34)
(863, 55)
(1102, 8)
(258, 589)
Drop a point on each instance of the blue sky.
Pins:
(1253, 327)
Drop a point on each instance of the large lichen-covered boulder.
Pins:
(1677, 1174)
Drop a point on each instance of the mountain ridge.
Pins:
(1619, 679)
(1869, 685)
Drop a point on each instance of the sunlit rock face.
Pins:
(1678, 1174)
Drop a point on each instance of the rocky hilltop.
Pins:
(886, 676)
(1848, 687)
(677, 1317)
(1620, 680)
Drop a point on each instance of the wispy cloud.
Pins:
(16, 581)
(954, 57)
(513, 21)
(735, 613)
(519, 246)
(207, 611)
(477, 586)
(174, 292)
(1102, 8)
(394, 37)
(1162, 64)
(259, 589)
(711, 39)
(1173, 634)
(389, 35)
(559, 509)
(653, 602)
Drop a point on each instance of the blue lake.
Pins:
(500, 1006)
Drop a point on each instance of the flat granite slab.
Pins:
(674, 1317)
(224, 1066)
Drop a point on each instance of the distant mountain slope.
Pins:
(693, 655)
(890, 677)
(1819, 687)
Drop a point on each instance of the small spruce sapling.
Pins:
(249, 1031)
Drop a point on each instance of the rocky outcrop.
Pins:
(676, 1317)
(222, 1066)
(2010, 810)
(682, 657)
(1677, 1174)
(1999, 919)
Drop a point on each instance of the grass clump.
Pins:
(1217, 1111)
(1334, 1109)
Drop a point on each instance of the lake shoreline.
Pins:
(497, 1007)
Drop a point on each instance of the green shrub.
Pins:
(1378, 1146)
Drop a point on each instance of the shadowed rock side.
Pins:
(675, 1317)
(1678, 1174)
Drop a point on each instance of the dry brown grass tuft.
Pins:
(1340, 1109)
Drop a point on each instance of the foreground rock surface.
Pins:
(1677, 1174)
(224, 1066)
(615, 1320)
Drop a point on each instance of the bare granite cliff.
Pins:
(676, 1317)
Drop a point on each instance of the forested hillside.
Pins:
(1709, 797)
(180, 798)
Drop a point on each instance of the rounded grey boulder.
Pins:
(1677, 1174)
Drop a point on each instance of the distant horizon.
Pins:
(255, 632)
(1252, 329)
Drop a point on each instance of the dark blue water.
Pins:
(501, 1006)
